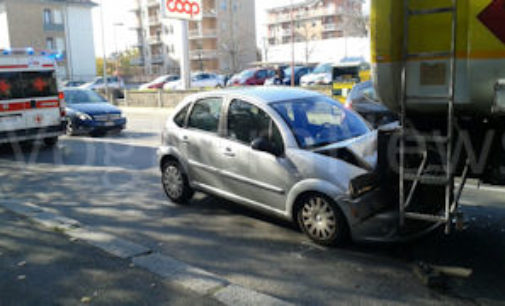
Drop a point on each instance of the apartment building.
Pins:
(63, 26)
(224, 41)
(321, 29)
(313, 20)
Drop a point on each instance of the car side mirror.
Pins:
(262, 144)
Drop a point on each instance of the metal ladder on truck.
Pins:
(421, 175)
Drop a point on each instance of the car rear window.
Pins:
(33, 84)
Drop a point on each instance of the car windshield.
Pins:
(320, 121)
(247, 74)
(82, 97)
(287, 71)
(323, 68)
(160, 79)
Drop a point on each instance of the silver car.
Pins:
(292, 153)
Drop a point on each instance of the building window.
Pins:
(48, 16)
(50, 43)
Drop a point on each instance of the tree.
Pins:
(99, 66)
(233, 47)
(355, 23)
(119, 63)
(306, 34)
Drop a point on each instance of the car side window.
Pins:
(247, 122)
(180, 118)
(261, 74)
(206, 114)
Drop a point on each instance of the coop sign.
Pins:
(182, 9)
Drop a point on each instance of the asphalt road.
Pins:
(42, 267)
(113, 183)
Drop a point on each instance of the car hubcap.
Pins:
(173, 182)
(318, 218)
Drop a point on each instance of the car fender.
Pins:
(316, 185)
(165, 151)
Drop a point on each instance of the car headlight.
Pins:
(84, 117)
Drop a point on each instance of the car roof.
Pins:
(268, 94)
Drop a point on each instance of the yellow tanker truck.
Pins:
(479, 54)
(441, 65)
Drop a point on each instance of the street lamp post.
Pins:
(117, 25)
(104, 52)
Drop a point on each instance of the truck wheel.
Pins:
(321, 219)
(51, 141)
(175, 183)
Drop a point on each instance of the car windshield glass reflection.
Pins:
(320, 121)
(83, 96)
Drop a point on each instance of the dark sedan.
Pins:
(89, 113)
(300, 71)
(364, 101)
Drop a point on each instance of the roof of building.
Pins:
(296, 5)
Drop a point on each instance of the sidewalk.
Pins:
(43, 267)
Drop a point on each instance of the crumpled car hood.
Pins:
(363, 148)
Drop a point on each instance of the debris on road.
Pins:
(437, 276)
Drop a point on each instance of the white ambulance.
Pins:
(31, 107)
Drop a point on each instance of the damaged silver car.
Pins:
(293, 153)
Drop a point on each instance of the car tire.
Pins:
(70, 129)
(175, 183)
(51, 141)
(322, 220)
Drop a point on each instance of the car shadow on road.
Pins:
(116, 188)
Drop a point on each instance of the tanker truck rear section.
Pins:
(424, 49)
(440, 64)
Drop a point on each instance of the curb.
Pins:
(170, 269)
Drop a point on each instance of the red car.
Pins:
(255, 76)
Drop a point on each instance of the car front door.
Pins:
(259, 178)
(201, 142)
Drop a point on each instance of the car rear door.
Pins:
(42, 102)
(202, 142)
(12, 102)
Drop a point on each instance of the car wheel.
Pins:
(70, 129)
(175, 183)
(51, 141)
(322, 220)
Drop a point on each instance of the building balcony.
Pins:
(304, 15)
(202, 54)
(137, 62)
(154, 21)
(153, 3)
(199, 34)
(329, 27)
(157, 59)
(54, 27)
(155, 40)
(286, 32)
(209, 13)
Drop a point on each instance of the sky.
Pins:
(118, 22)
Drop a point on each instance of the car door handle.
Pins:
(228, 152)
(185, 139)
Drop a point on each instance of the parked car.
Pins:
(69, 84)
(321, 75)
(98, 83)
(159, 82)
(89, 113)
(365, 101)
(198, 81)
(254, 76)
(289, 152)
(300, 71)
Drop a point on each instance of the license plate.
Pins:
(110, 123)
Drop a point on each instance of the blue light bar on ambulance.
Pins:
(6, 51)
